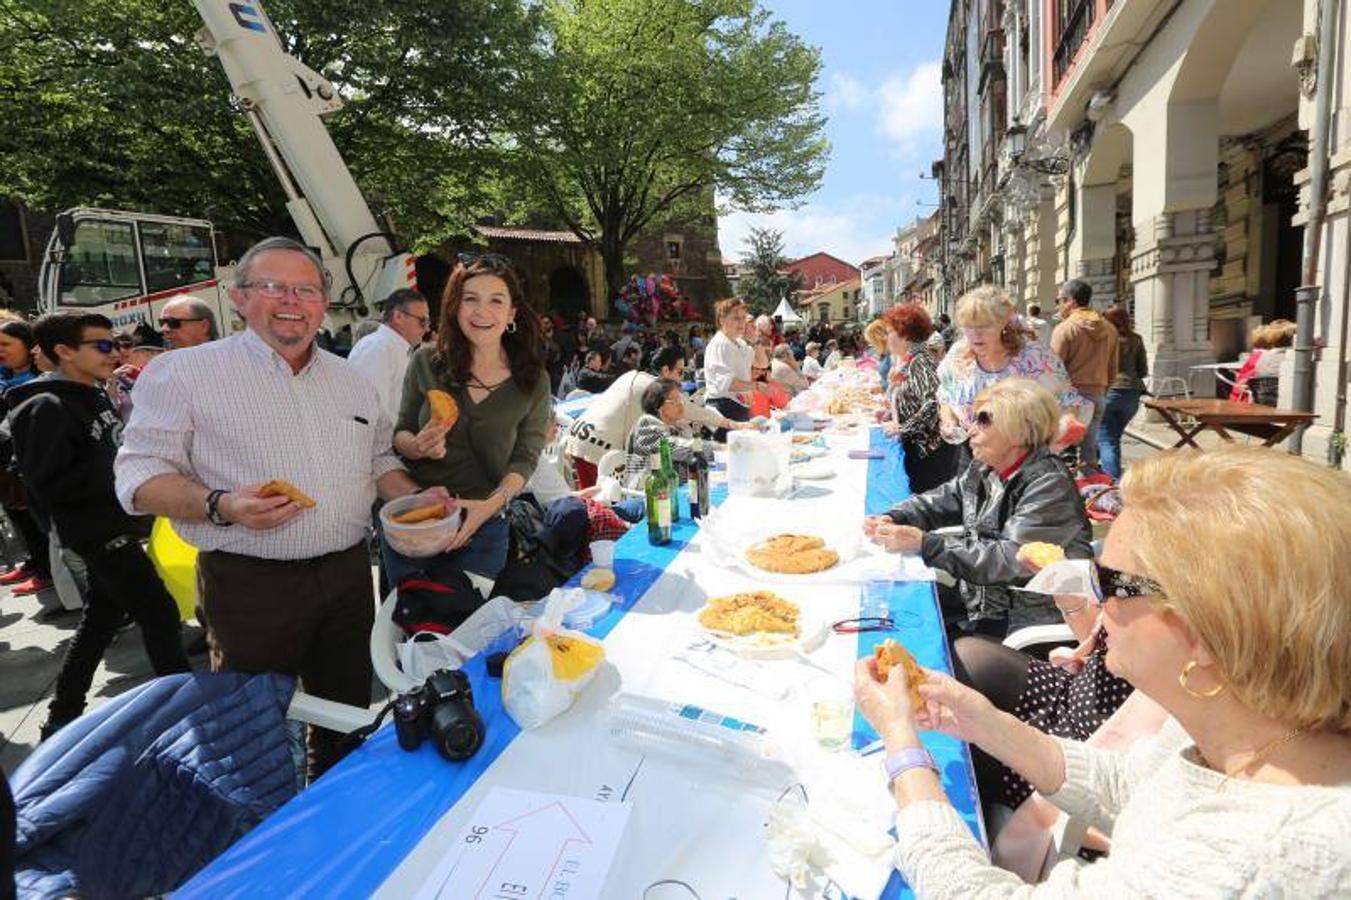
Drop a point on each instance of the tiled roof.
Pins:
(527, 234)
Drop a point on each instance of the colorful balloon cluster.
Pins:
(648, 299)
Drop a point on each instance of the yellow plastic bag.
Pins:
(543, 676)
(176, 562)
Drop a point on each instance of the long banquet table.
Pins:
(378, 822)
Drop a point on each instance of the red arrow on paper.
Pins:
(541, 834)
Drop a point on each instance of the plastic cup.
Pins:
(603, 554)
(832, 713)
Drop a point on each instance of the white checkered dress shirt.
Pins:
(230, 413)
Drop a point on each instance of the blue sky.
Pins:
(883, 98)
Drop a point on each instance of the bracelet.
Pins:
(903, 761)
(213, 513)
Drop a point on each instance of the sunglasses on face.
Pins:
(102, 345)
(173, 323)
(495, 261)
(1125, 585)
(983, 419)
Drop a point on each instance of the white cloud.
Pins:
(852, 231)
(911, 107)
(846, 92)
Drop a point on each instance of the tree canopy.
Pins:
(642, 109)
(608, 117)
(111, 102)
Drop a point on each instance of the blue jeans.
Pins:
(485, 554)
(1119, 409)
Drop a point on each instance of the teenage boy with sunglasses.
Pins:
(66, 434)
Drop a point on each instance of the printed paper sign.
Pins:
(521, 844)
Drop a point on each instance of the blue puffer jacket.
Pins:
(133, 798)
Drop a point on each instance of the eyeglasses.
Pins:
(983, 419)
(424, 321)
(102, 345)
(673, 400)
(173, 323)
(494, 261)
(1125, 585)
(980, 330)
(276, 290)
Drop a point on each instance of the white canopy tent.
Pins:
(786, 314)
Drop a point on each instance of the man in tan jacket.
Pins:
(1087, 344)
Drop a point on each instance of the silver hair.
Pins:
(783, 351)
(199, 310)
(266, 245)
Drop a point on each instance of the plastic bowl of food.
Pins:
(426, 524)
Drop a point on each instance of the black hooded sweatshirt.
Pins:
(66, 436)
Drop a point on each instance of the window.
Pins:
(673, 250)
(100, 264)
(176, 255)
(13, 243)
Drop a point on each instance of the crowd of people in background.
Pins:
(997, 412)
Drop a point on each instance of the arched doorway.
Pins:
(567, 292)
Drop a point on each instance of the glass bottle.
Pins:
(657, 491)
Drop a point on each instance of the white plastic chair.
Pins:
(1168, 386)
(611, 465)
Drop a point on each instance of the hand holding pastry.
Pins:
(248, 507)
(430, 442)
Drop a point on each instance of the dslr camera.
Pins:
(442, 710)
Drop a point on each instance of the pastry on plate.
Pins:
(1040, 553)
(888, 654)
(417, 514)
(752, 612)
(792, 554)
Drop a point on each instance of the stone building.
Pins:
(1161, 150)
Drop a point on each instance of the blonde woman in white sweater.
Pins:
(1228, 582)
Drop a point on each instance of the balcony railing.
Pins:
(1074, 18)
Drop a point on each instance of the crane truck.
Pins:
(126, 265)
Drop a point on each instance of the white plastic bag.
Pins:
(420, 658)
(543, 676)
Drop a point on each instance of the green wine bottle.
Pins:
(658, 493)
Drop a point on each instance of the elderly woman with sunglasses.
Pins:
(1246, 789)
(992, 348)
(1014, 492)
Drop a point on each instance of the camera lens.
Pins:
(457, 730)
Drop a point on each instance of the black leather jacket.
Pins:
(1039, 502)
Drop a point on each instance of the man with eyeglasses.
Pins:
(66, 434)
(186, 322)
(382, 356)
(282, 587)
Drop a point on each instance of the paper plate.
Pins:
(811, 633)
(814, 470)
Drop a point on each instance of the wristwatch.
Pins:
(910, 758)
(213, 513)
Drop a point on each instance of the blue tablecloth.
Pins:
(344, 835)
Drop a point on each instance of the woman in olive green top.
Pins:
(487, 356)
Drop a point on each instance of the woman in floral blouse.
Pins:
(912, 394)
(990, 349)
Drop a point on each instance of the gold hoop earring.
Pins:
(1199, 695)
